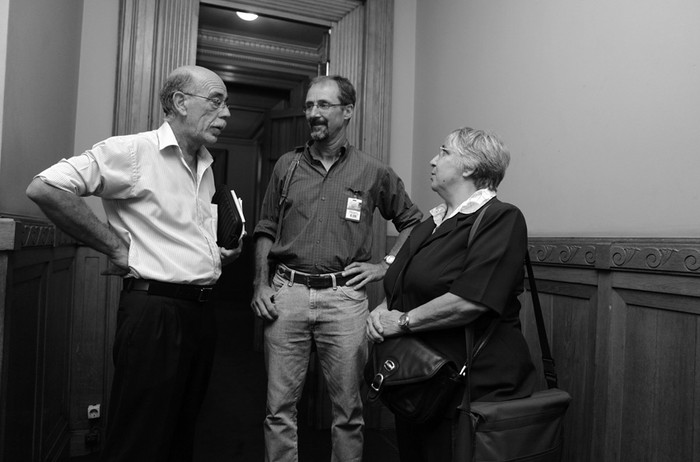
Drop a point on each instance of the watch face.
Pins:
(389, 259)
(403, 320)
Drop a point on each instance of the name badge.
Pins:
(354, 209)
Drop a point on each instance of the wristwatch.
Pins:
(404, 322)
(389, 259)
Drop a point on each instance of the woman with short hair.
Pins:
(437, 286)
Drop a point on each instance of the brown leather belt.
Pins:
(169, 289)
(313, 281)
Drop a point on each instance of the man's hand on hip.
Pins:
(364, 273)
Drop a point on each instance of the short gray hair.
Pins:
(179, 80)
(482, 152)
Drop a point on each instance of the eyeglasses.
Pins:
(322, 106)
(216, 101)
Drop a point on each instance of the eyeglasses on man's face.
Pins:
(216, 101)
(323, 106)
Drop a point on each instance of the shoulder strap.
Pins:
(550, 371)
(299, 150)
(473, 351)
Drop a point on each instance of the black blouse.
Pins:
(489, 273)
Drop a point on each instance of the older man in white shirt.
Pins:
(156, 188)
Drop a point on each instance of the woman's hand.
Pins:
(382, 323)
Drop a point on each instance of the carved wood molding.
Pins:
(16, 234)
(619, 254)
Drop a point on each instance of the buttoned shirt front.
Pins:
(327, 218)
(153, 202)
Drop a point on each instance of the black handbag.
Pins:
(527, 429)
(411, 378)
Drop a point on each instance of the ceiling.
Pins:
(263, 61)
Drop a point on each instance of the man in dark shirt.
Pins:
(320, 249)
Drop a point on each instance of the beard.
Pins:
(319, 131)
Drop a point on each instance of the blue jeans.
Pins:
(335, 320)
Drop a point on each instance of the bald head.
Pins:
(187, 79)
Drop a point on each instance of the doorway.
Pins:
(266, 63)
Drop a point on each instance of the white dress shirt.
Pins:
(153, 202)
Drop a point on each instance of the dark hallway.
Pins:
(230, 426)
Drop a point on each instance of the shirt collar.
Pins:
(343, 149)
(471, 205)
(166, 138)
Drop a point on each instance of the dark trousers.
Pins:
(163, 353)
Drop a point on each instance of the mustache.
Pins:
(318, 122)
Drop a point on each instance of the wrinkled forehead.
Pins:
(209, 84)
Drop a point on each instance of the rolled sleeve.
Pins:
(66, 175)
(395, 204)
(107, 170)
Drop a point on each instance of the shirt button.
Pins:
(323, 198)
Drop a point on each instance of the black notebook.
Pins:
(231, 223)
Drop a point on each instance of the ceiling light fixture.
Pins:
(247, 16)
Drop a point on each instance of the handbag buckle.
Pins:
(377, 382)
(389, 365)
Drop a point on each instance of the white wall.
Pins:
(96, 79)
(599, 102)
(402, 94)
(403, 88)
(4, 16)
(41, 57)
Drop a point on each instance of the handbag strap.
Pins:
(473, 352)
(285, 188)
(548, 366)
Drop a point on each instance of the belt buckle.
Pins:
(204, 294)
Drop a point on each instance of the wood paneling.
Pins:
(94, 321)
(36, 304)
(623, 318)
(155, 38)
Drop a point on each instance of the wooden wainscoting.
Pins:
(623, 319)
(94, 318)
(57, 317)
(37, 275)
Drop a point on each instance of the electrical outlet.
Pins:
(93, 411)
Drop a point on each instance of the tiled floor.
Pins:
(230, 424)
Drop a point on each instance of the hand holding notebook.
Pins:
(231, 222)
